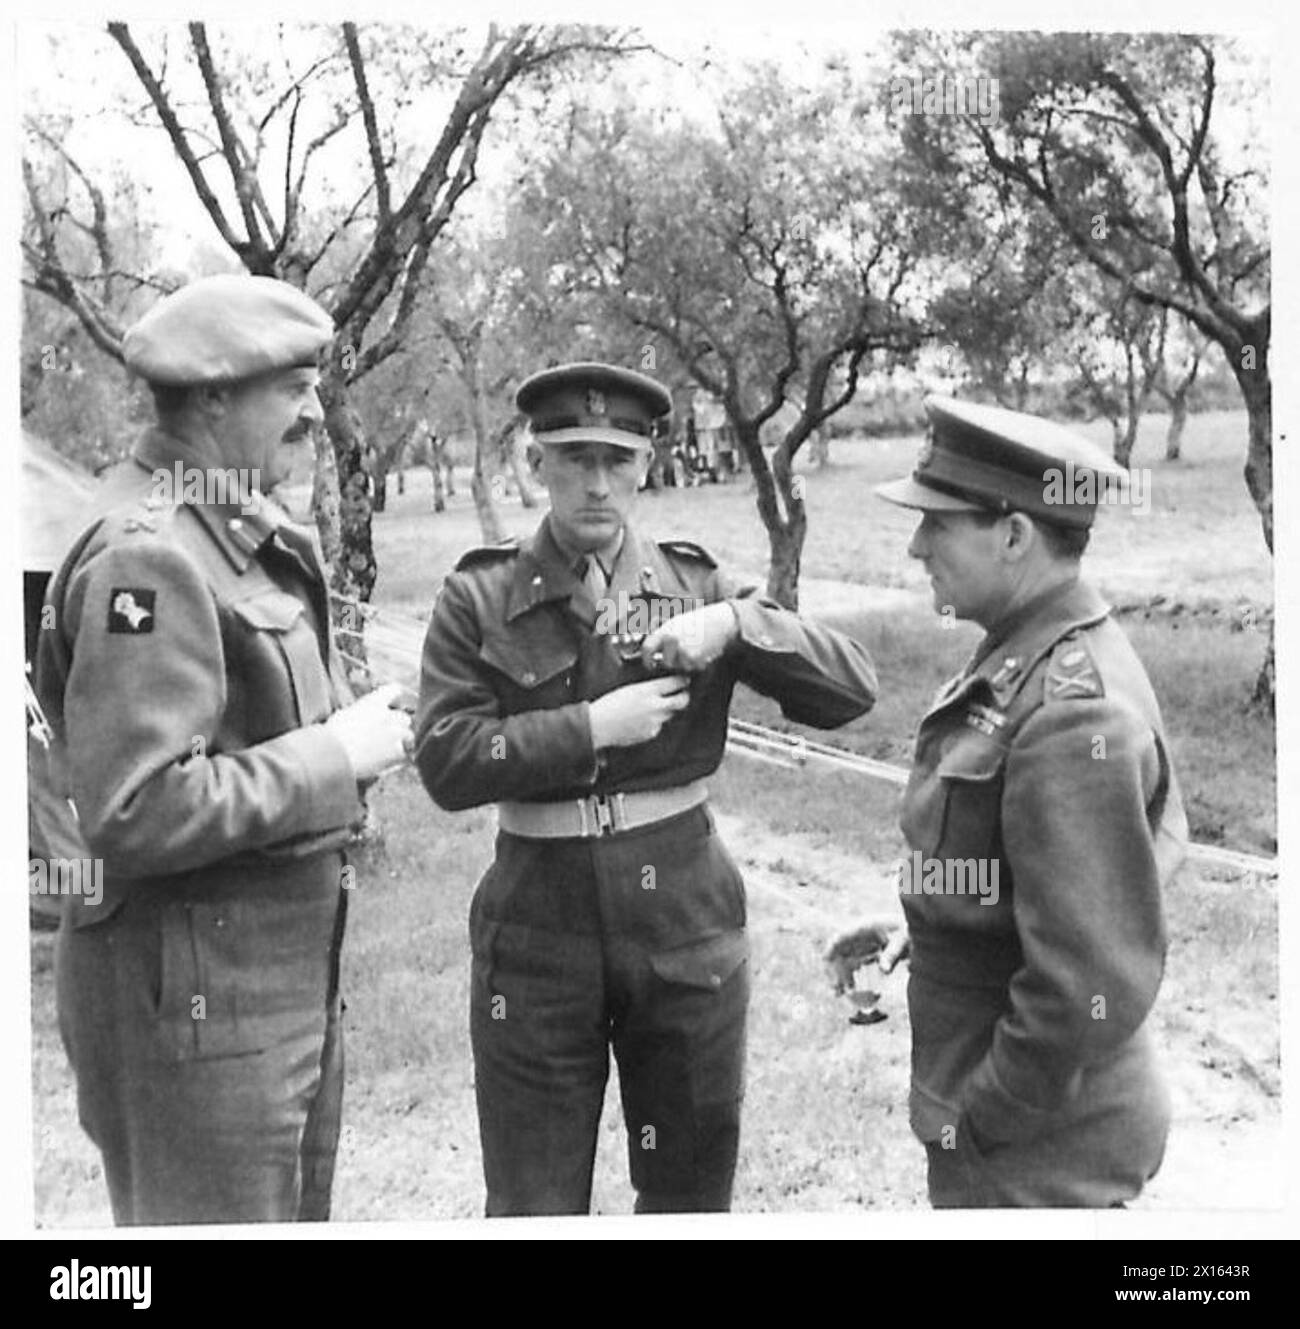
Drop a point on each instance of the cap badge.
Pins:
(926, 455)
(596, 403)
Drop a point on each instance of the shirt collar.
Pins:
(607, 555)
(543, 573)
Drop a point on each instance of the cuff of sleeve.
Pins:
(331, 783)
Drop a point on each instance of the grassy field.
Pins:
(825, 1125)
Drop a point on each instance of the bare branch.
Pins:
(50, 276)
(377, 164)
(179, 140)
(247, 190)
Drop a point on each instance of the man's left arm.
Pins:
(1080, 777)
(820, 676)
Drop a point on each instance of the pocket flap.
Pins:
(703, 964)
(273, 611)
(972, 757)
(528, 668)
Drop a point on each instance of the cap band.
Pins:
(999, 488)
(623, 422)
(957, 491)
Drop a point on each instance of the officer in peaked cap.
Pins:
(214, 752)
(581, 682)
(1045, 764)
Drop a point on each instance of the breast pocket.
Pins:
(283, 682)
(535, 670)
(970, 786)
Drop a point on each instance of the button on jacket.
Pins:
(185, 674)
(635, 939)
(1046, 762)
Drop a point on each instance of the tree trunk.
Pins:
(1116, 438)
(435, 468)
(1257, 389)
(1177, 423)
(786, 534)
(380, 476)
(353, 570)
(515, 448)
(489, 519)
(1125, 437)
(327, 506)
(1259, 453)
(325, 498)
(785, 531)
(785, 542)
(485, 452)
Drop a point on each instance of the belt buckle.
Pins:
(609, 812)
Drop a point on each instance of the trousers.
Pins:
(634, 942)
(204, 1030)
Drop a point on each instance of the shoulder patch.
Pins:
(688, 549)
(1071, 672)
(131, 609)
(482, 554)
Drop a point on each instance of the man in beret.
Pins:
(581, 682)
(214, 752)
(1042, 819)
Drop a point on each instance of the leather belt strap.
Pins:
(598, 814)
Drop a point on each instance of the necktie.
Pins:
(593, 577)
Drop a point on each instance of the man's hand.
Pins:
(374, 734)
(636, 713)
(694, 640)
(882, 941)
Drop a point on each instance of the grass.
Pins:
(825, 1125)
